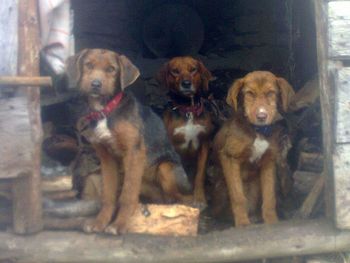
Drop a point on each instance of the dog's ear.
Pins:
(74, 67)
(205, 76)
(286, 93)
(233, 93)
(128, 71)
(162, 75)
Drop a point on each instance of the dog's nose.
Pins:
(261, 116)
(186, 84)
(96, 84)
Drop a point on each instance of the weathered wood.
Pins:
(326, 97)
(311, 200)
(15, 138)
(25, 81)
(341, 161)
(61, 195)
(342, 106)
(57, 183)
(253, 242)
(339, 33)
(26, 191)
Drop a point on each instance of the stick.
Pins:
(26, 81)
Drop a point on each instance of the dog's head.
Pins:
(185, 76)
(259, 96)
(100, 73)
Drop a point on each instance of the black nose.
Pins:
(186, 84)
(261, 116)
(96, 84)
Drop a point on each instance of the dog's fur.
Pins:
(187, 118)
(131, 142)
(247, 146)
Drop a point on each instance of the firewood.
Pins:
(57, 183)
(61, 195)
(167, 220)
(312, 162)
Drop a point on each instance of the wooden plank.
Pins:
(234, 244)
(27, 210)
(342, 106)
(341, 161)
(339, 29)
(326, 95)
(25, 81)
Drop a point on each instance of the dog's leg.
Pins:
(110, 182)
(167, 179)
(268, 178)
(232, 173)
(199, 193)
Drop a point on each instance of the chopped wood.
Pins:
(57, 183)
(61, 195)
(71, 208)
(165, 220)
(304, 181)
(312, 162)
(25, 81)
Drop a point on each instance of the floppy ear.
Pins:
(233, 92)
(286, 92)
(162, 75)
(128, 72)
(205, 76)
(74, 68)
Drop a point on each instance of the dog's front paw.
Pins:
(94, 226)
(271, 217)
(112, 229)
(242, 221)
(199, 201)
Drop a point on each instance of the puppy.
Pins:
(247, 146)
(187, 118)
(130, 140)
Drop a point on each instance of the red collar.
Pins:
(98, 115)
(197, 109)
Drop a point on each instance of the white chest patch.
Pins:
(258, 149)
(190, 132)
(101, 132)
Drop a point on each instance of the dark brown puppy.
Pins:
(130, 140)
(247, 146)
(187, 119)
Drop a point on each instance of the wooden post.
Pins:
(27, 195)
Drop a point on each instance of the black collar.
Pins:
(265, 130)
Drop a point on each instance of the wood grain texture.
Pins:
(342, 106)
(341, 161)
(27, 204)
(234, 244)
(25, 81)
(339, 33)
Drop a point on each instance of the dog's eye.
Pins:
(193, 70)
(89, 65)
(250, 94)
(270, 94)
(110, 69)
(175, 72)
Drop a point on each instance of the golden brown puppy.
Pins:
(247, 146)
(187, 118)
(130, 140)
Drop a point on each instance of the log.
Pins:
(312, 162)
(165, 220)
(61, 195)
(27, 210)
(57, 183)
(235, 244)
(25, 81)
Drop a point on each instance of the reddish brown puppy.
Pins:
(130, 140)
(247, 146)
(187, 118)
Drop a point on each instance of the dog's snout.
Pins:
(261, 114)
(96, 84)
(186, 84)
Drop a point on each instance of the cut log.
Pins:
(61, 195)
(57, 183)
(304, 181)
(165, 220)
(25, 81)
(312, 162)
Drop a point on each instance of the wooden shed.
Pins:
(321, 44)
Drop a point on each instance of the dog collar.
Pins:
(98, 115)
(265, 130)
(196, 110)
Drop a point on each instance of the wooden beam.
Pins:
(25, 81)
(326, 96)
(235, 244)
(27, 202)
